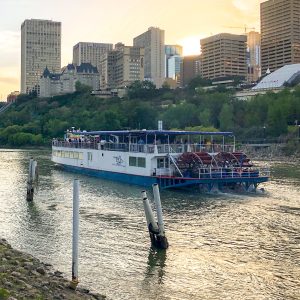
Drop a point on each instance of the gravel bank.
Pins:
(24, 277)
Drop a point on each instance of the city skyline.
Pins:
(101, 22)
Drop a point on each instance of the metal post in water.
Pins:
(74, 282)
(30, 188)
(151, 223)
(162, 241)
(34, 170)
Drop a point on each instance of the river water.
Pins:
(223, 246)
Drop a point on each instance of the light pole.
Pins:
(298, 125)
(264, 134)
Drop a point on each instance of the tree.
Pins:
(82, 88)
(181, 116)
(198, 82)
(55, 127)
(141, 89)
(204, 117)
(109, 121)
(226, 117)
(276, 120)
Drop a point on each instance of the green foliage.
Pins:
(181, 116)
(4, 294)
(22, 138)
(142, 89)
(198, 82)
(82, 88)
(202, 128)
(204, 117)
(226, 117)
(34, 121)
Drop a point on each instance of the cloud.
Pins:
(9, 40)
(9, 80)
(245, 5)
(9, 48)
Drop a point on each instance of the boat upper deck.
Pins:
(149, 141)
(146, 148)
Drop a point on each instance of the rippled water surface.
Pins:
(224, 246)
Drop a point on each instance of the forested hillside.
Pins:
(34, 121)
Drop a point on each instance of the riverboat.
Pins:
(172, 159)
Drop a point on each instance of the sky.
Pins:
(185, 22)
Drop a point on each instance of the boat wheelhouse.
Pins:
(172, 159)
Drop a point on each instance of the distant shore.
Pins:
(24, 277)
(275, 152)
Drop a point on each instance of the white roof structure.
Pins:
(277, 79)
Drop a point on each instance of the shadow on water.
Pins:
(156, 264)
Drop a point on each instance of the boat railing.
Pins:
(215, 173)
(75, 144)
(145, 148)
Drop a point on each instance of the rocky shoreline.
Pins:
(24, 277)
(275, 152)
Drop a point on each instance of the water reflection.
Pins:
(224, 246)
(156, 264)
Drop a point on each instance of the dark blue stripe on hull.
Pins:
(164, 182)
(126, 178)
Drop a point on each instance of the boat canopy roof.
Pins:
(153, 132)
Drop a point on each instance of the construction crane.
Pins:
(245, 28)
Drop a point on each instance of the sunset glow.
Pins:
(184, 23)
(191, 45)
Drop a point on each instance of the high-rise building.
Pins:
(171, 50)
(254, 51)
(190, 68)
(280, 33)
(174, 68)
(224, 55)
(40, 48)
(153, 41)
(89, 53)
(121, 66)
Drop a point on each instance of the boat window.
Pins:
(137, 162)
(141, 162)
(68, 154)
(132, 161)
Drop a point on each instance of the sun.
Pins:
(191, 45)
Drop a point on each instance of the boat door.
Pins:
(90, 158)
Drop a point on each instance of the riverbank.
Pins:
(24, 277)
(274, 152)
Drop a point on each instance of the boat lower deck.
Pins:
(167, 182)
